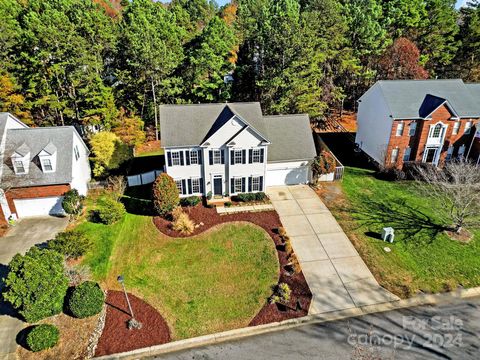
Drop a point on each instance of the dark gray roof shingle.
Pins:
(405, 97)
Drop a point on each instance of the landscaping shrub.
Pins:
(248, 197)
(288, 246)
(183, 223)
(86, 300)
(73, 202)
(260, 196)
(77, 274)
(42, 337)
(281, 294)
(324, 163)
(72, 244)
(281, 231)
(228, 204)
(36, 284)
(390, 174)
(190, 201)
(110, 211)
(165, 195)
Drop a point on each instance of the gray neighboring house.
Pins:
(231, 148)
(38, 165)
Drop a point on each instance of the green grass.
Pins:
(423, 257)
(212, 282)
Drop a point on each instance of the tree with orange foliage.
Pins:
(129, 129)
(11, 100)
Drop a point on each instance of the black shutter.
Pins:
(190, 186)
(243, 184)
(169, 158)
(262, 154)
(184, 187)
(232, 185)
(250, 156)
(244, 156)
(200, 155)
(261, 183)
(232, 157)
(223, 156)
(210, 155)
(187, 156)
(250, 184)
(201, 185)
(181, 158)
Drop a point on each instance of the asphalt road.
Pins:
(447, 331)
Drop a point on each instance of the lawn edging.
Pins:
(236, 334)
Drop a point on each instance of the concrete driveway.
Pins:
(335, 272)
(25, 234)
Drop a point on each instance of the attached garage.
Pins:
(39, 206)
(287, 173)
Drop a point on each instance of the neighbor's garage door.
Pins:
(287, 174)
(39, 206)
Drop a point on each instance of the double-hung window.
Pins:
(238, 156)
(196, 186)
(449, 153)
(47, 165)
(406, 154)
(193, 157)
(179, 184)
(217, 156)
(237, 185)
(256, 183)
(256, 156)
(394, 156)
(468, 128)
(412, 129)
(19, 168)
(175, 158)
(400, 127)
(456, 127)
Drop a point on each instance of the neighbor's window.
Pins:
(456, 127)
(179, 186)
(256, 183)
(175, 158)
(47, 165)
(256, 155)
(77, 153)
(196, 186)
(400, 127)
(238, 156)
(217, 157)
(468, 127)
(19, 168)
(412, 129)
(193, 157)
(394, 156)
(406, 155)
(461, 151)
(449, 153)
(237, 185)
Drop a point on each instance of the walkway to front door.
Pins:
(335, 272)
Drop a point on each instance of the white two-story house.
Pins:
(227, 149)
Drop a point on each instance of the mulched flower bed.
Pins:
(270, 222)
(116, 337)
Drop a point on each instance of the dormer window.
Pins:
(47, 165)
(48, 158)
(18, 166)
(21, 159)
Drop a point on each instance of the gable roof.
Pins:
(474, 89)
(406, 98)
(37, 140)
(290, 136)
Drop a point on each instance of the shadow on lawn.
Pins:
(138, 200)
(415, 225)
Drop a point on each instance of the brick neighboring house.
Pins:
(475, 152)
(37, 166)
(430, 121)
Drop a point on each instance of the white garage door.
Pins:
(39, 206)
(287, 175)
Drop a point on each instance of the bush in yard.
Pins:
(260, 196)
(86, 300)
(73, 202)
(190, 201)
(246, 197)
(183, 223)
(42, 337)
(72, 244)
(36, 284)
(390, 174)
(281, 294)
(110, 211)
(165, 195)
(324, 163)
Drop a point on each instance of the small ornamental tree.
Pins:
(36, 284)
(323, 164)
(73, 202)
(165, 195)
(109, 152)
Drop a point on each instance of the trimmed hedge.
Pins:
(190, 201)
(86, 300)
(248, 197)
(110, 211)
(42, 337)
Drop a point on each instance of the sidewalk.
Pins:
(335, 272)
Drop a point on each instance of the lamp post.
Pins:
(132, 323)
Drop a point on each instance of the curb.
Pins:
(237, 334)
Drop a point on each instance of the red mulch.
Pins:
(116, 337)
(269, 221)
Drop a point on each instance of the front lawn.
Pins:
(423, 257)
(215, 281)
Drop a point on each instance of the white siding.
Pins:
(374, 124)
(81, 167)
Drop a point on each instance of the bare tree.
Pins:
(117, 185)
(456, 190)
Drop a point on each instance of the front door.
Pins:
(217, 186)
